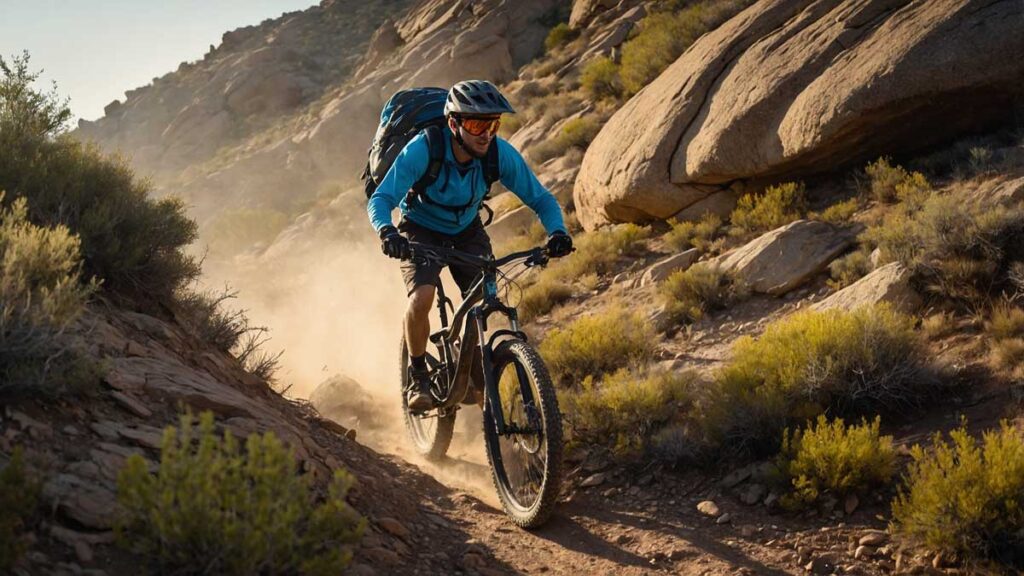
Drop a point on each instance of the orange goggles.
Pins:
(481, 126)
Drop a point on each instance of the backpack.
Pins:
(406, 114)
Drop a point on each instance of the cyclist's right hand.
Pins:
(393, 244)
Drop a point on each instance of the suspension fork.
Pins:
(492, 401)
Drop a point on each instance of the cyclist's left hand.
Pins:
(559, 244)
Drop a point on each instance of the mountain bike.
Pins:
(497, 367)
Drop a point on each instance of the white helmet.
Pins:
(476, 98)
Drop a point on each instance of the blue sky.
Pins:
(98, 49)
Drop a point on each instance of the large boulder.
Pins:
(889, 283)
(787, 84)
(780, 260)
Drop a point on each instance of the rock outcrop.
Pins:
(786, 257)
(889, 283)
(787, 84)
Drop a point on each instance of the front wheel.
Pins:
(431, 433)
(526, 461)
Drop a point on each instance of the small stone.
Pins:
(473, 561)
(873, 538)
(724, 519)
(752, 494)
(609, 492)
(593, 480)
(393, 527)
(863, 552)
(771, 501)
(735, 477)
(821, 565)
(747, 530)
(83, 552)
(708, 508)
(382, 556)
(70, 430)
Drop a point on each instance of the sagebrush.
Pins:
(623, 411)
(217, 507)
(689, 294)
(775, 207)
(811, 363)
(963, 497)
(831, 458)
(598, 344)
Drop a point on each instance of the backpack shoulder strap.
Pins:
(435, 147)
(492, 167)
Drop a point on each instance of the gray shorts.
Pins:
(473, 239)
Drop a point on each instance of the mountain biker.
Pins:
(446, 214)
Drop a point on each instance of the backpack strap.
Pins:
(435, 147)
(492, 167)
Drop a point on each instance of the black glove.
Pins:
(559, 244)
(394, 244)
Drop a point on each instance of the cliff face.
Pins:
(281, 110)
(257, 75)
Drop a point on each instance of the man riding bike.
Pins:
(446, 213)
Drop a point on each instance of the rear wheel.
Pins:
(431, 432)
(526, 462)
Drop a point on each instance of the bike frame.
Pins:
(480, 304)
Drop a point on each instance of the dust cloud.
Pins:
(334, 305)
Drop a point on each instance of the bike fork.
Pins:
(491, 400)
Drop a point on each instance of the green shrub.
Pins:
(597, 344)
(215, 508)
(890, 183)
(42, 295)
(777, 206)
(576, 133)
(624, 410)
(839, 213)
(689, 234)
(957, 251)
(133, 243)
(810, 363)
(539, 298)
(663, 36)
(689, 294)
(980, 160)
(19, 496)
(832, 458)
(559, 36)
(598, 251)
(600, 79)
(848, 269)
(964, 498)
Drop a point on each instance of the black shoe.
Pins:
(417, 395)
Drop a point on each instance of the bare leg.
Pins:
(417, 319)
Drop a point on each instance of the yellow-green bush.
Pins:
(848, 269)
(777, 206)
(689, 234)
(19, 496)
(839, 213)
(559, 36)
(41, 295)
(832, 458)
(625, 409)
(214, 507)
(956, 250)
(132, 242)
(600, 79)
(689, 294)
(810, 363)
(964, 497)
(539, 298)
(884, 179)
(597, 344)
(598, 251)
(664, 35)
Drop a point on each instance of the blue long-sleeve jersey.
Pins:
(455, 186)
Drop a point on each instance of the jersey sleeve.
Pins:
(408, 167)
(521, 181)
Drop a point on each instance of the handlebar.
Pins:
(534, 257)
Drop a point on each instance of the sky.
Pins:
(97, 49)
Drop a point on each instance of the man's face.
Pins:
(476, 132)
